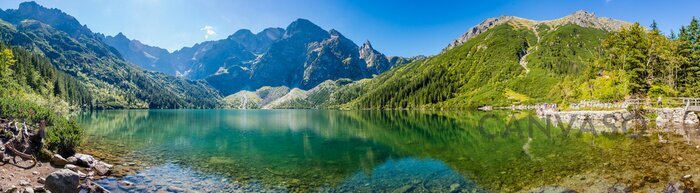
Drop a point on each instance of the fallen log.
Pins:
(22, 133)
(20, 154)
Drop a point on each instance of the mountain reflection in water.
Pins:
(301, 150)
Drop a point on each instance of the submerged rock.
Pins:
(402, 189)
(63, 180)
(94, 188)
(454, 187)
(175, 189)
(102, 168)
(552, 189)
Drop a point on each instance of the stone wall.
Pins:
(675, 116)
(618, 120)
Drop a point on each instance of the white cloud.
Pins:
(208, 31)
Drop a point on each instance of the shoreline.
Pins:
(54, 175)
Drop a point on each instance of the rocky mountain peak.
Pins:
(242, 33)
(366, 50)
(583, 13)
(272, 33)
(120, 35)
(305, 29)
(588, 19)
(376, 61)
(478, 29)
(52, 17)
(29, 5)
(581, 18)
(334, 32)
(367, 46)
(257, 43)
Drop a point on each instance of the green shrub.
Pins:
(661, 90)
(62, 135)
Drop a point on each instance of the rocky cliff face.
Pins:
(136, 52)
(580, 18)
(303, 57)
(376, 61)
(52, 17)
(588, 19)
(257, 43)
(300, 56)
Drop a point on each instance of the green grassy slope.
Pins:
(486, 70)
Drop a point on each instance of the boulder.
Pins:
(72, 160)
(84, 160)
(102, 168)
(71, 167)
(63, 180)
(58, 160)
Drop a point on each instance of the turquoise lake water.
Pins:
(336, 151)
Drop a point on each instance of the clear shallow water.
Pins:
(319, 150)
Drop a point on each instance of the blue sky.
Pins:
(395, 27)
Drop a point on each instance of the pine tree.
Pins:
(672, 35)
(628, 50)
(689, 55)
(654, 26)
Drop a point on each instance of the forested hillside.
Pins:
(523, 62)
(33, 91)
(31, 77)
(113, 82)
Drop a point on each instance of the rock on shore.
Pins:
(63, 180)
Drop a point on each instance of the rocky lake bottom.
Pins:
(384, 151)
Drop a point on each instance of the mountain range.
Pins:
(301, 56)
(502, 61)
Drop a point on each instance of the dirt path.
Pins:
(523, 60)
(13, 176)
